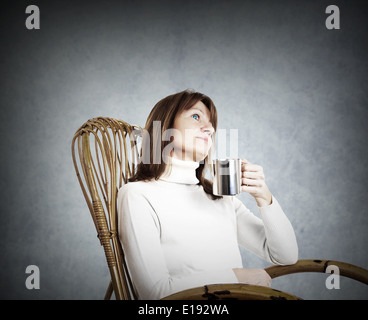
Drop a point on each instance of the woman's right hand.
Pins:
(257, 277)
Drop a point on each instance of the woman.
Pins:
(175, 233)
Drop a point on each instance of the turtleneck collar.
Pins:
(181, 172)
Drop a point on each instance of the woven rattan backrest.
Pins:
(107, 151)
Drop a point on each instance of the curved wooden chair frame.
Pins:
(251, 292)
(108, 151)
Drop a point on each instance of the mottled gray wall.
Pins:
(296, 92)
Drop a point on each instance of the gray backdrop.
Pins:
(296, 92)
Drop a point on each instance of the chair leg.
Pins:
(109, 291)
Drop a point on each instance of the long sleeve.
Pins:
(140, 235)
(271, 237)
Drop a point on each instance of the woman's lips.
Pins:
(203, 138)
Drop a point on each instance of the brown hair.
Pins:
(165, 111)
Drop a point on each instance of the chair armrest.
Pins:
(348, 270)
(231, 291)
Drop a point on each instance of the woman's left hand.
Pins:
(253, 182)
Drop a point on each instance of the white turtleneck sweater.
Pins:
(175, 237)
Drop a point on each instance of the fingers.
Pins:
(251, 167)
(254, 191)
(261, 277)
(244, 162)
(247, 166)
(252, 182)
(253, 276)
(253, 178)
(253, 175)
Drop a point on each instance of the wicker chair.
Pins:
(107, 150)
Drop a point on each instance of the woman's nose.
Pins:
(208, 129)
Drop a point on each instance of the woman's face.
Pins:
(193, 133)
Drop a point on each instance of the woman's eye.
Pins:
(195, 116)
